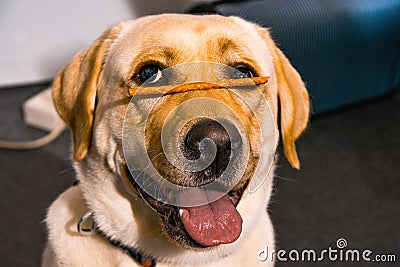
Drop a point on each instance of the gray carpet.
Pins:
(349, 185)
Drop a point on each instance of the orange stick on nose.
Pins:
(195, 86)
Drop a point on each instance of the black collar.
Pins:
(134, 253)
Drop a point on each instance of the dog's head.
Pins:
(90, 95)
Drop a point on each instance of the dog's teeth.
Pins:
(180, 212)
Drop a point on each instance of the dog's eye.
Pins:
(149, 74)
(243, 72)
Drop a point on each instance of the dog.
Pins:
(107, 219)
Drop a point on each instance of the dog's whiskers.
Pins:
(66, 171)
(284, 178)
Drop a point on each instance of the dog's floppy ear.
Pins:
(293, 98)
(74, 90)
(294, 103)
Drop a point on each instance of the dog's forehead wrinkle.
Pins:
(199, 32)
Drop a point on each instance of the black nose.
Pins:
(218, 134)
(210, 129)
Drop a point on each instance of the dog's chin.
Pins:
(175, 221)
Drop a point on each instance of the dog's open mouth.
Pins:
(217, 222)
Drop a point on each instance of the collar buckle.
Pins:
(87, 218)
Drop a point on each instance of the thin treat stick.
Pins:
(194, 86)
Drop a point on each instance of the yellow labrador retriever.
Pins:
(107, 219)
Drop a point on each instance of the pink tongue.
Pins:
(212, 224)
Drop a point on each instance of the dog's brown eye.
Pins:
(149, 74)
(243, 72)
